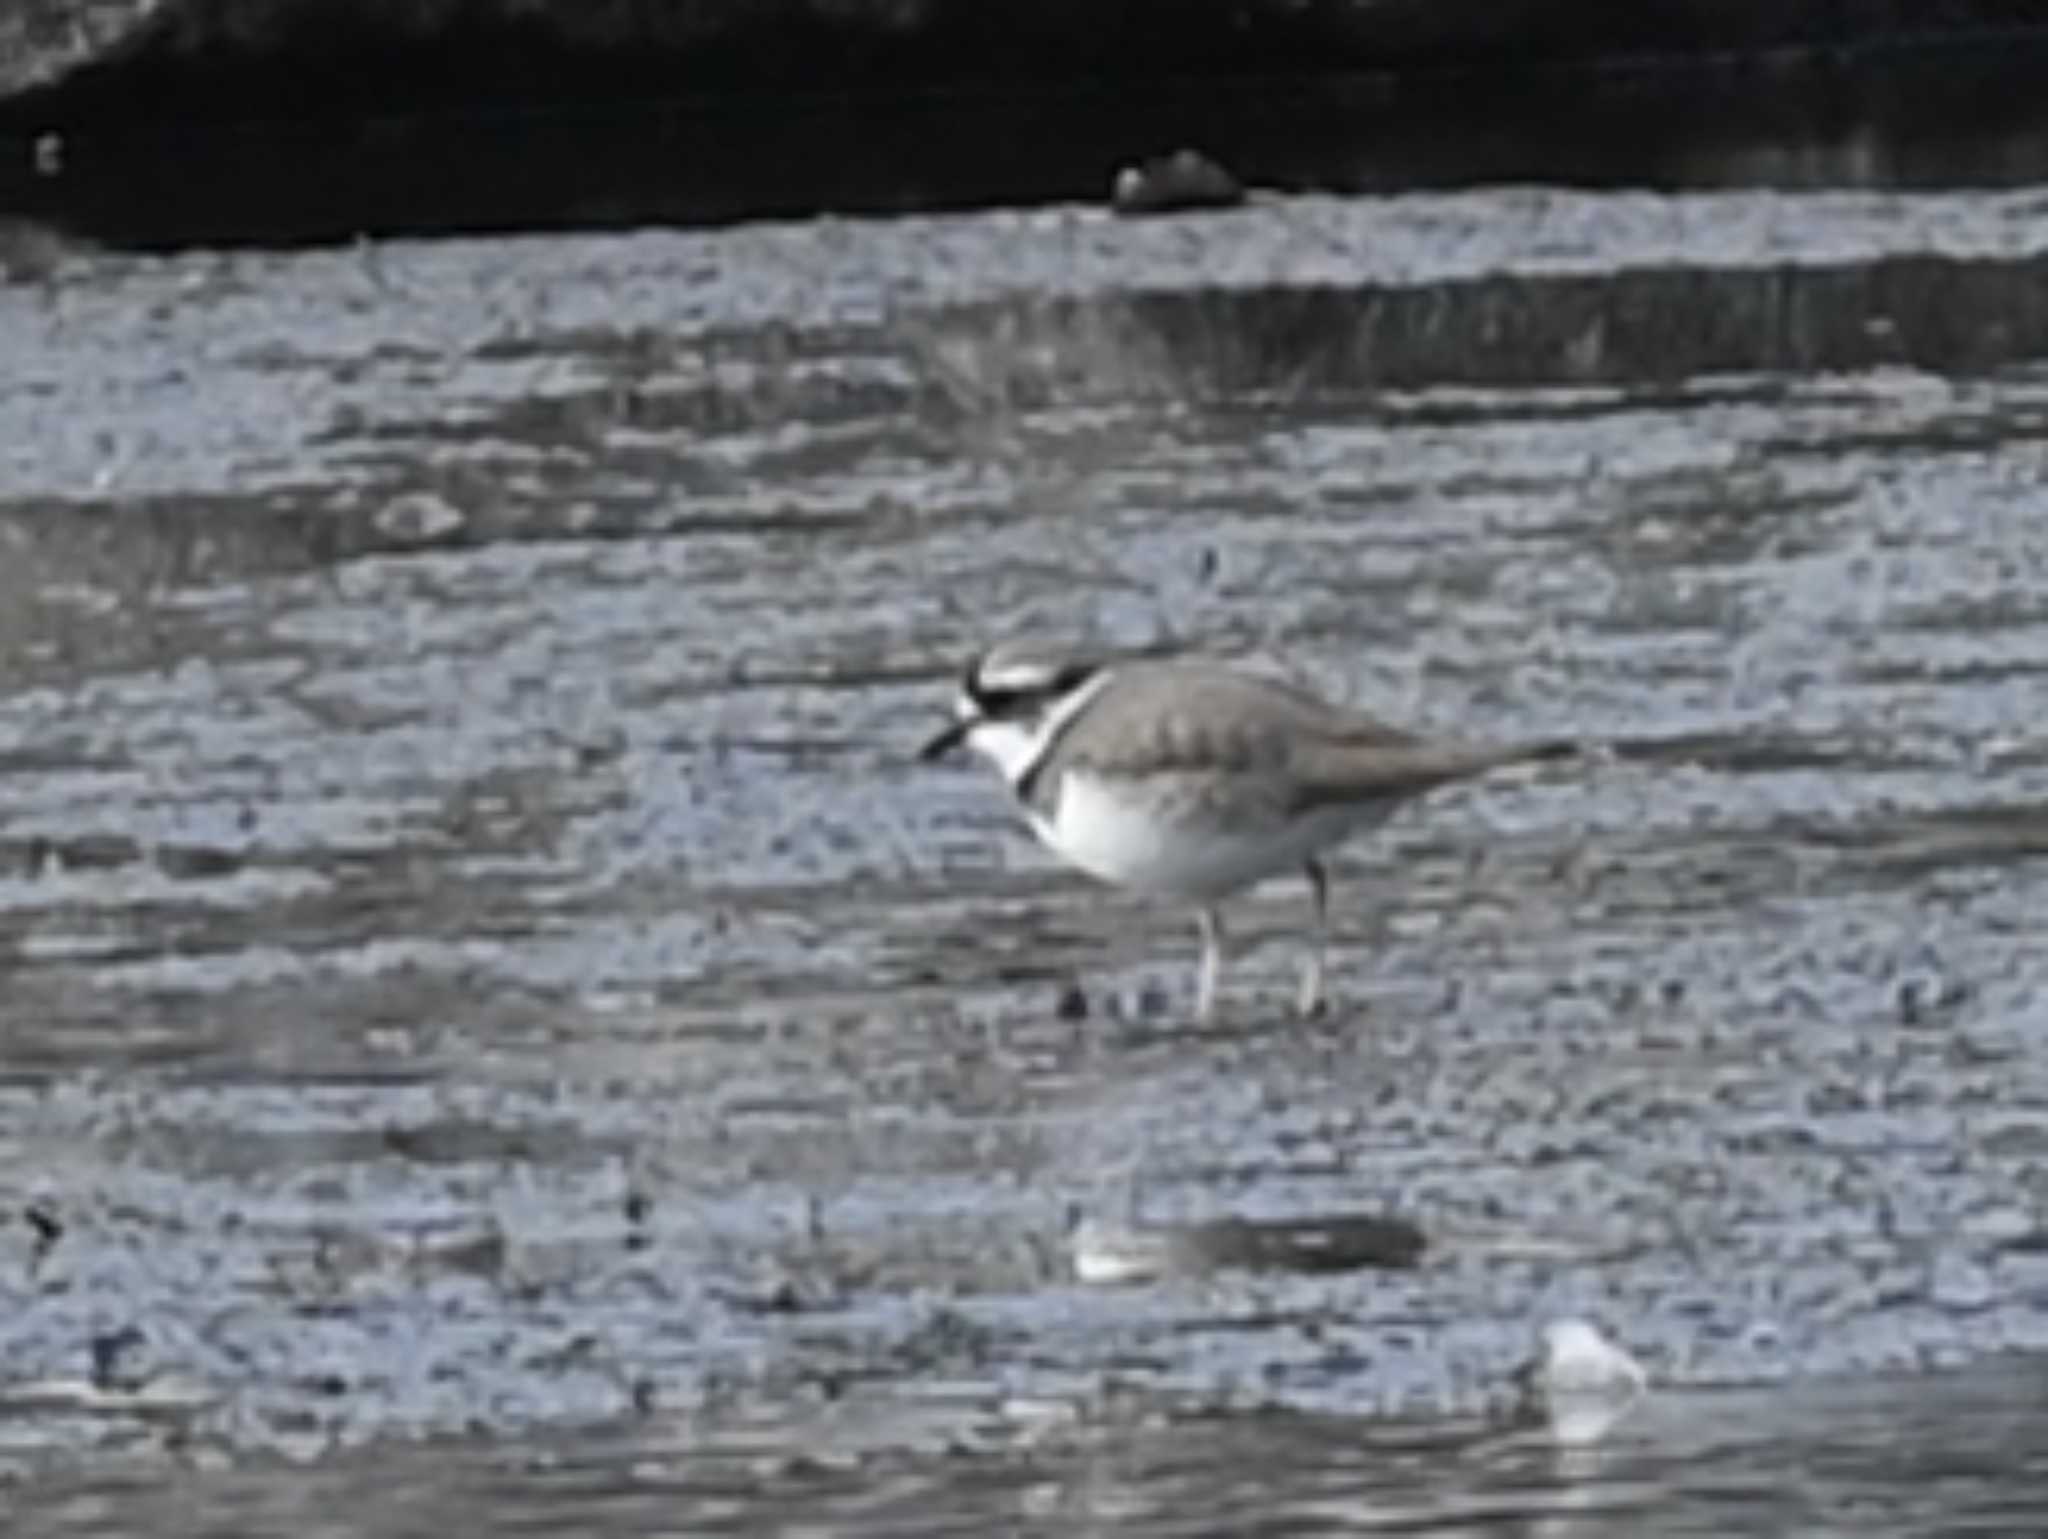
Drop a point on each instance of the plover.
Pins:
(1186, 778)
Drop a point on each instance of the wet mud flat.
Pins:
(480, 957)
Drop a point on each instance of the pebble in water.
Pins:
(1582, 1383)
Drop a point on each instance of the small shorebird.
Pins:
(1182, 777)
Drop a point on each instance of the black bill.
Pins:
(946, 741)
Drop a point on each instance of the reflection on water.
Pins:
(1886, 1459)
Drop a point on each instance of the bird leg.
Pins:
(1311, 1001)
(1210, 922)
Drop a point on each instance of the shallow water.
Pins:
(481, 957)
(1930, 1455)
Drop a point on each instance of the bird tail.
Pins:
(1350, 774)
(1549, 750)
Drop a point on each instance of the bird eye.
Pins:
(997, 702)
(1021, 699)
(988, 699)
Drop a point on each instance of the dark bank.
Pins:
(296, 123)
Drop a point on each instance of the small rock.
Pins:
(120, 1359)
(1105, 1252)
(1117, 1253)
(419, 518)
(1581, 1383)
(1072, 1004)
(481, 1252)
(29, 253)
(1186, 179)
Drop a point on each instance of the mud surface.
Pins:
(480, 957)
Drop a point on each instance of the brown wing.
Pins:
(1175, 716)
(1184, 715)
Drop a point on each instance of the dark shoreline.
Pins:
(152, 175)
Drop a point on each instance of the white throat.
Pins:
(1017, 747)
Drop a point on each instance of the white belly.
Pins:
(1125, 840)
